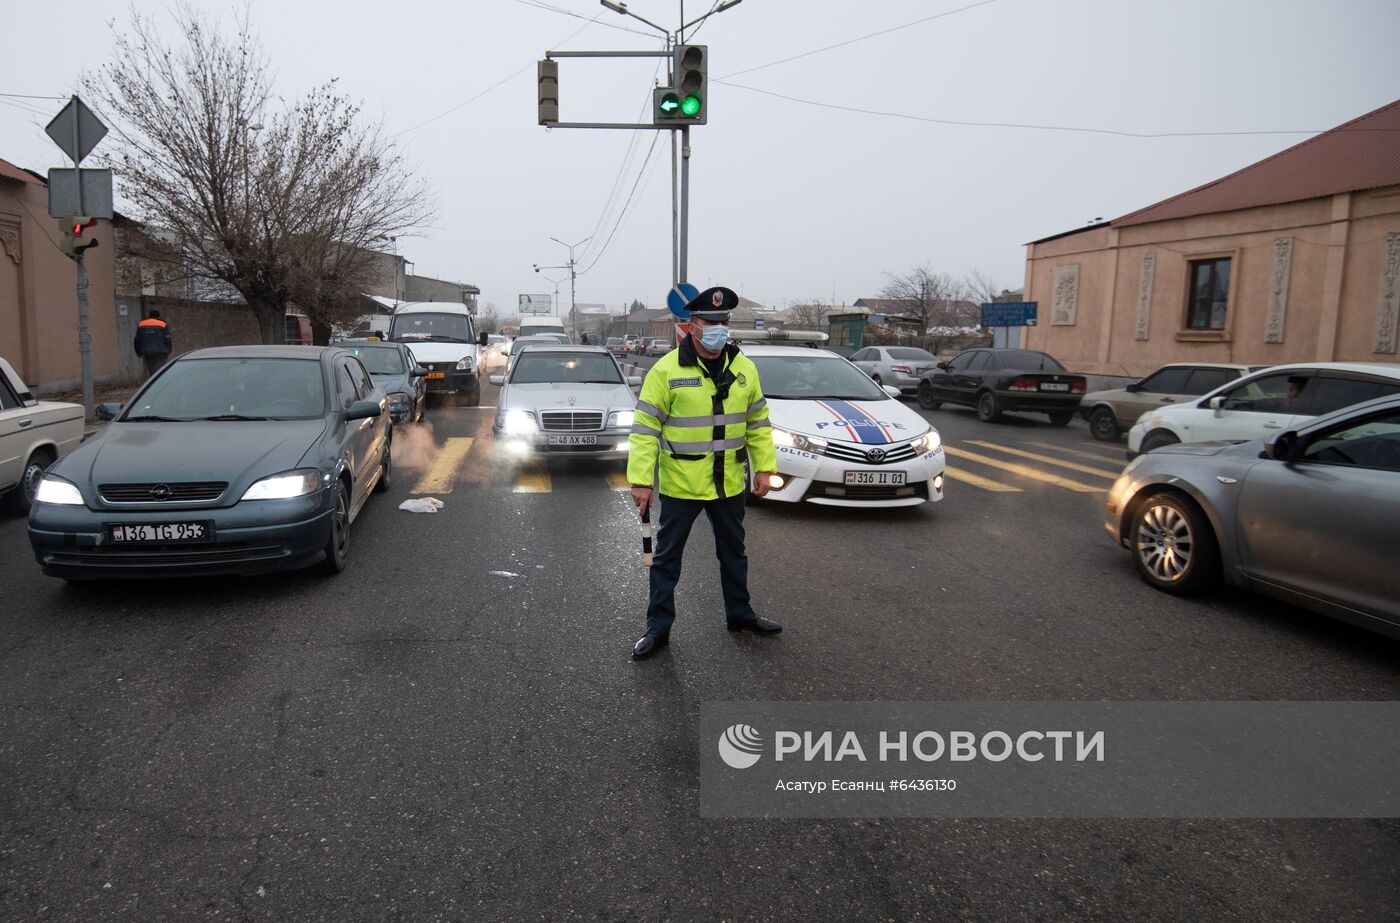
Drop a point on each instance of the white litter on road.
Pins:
(503, 573)
(422, 505)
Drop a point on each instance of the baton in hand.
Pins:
(646, 536)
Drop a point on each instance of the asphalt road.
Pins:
(452, 728)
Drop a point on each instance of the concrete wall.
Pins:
(38, 293)
(1314, 265)
(193, 325)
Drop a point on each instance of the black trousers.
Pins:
(154, 361)
(673, 530)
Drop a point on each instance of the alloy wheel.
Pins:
(1164, 543)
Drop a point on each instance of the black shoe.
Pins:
(759, 626)
(649, 644)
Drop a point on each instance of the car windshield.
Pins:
(551, 367)
(234, 389)
(1026, 360)
(523, 342)
(801, 378)
(452, 328)
(379, 360)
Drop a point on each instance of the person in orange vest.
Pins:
(152, 342)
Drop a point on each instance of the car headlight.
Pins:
(814, 444)
(928, 442)
(622, 418)
(399, 400)
(56, 490)
(285, 486)
(518, 422)
(464, 364)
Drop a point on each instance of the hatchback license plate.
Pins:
(435, 376)
(162, 532)
(1053, 386)
(573, 440)
(875, 478)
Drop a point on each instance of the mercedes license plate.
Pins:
(160, 532)
(573, 440)
(874, 478)
(1053, 386)
(434, 376)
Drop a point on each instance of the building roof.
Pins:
(647, 314)
(10, 171)
(1361, 154)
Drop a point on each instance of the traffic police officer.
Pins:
(700, 417)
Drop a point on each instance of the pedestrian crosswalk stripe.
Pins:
(1023, 470)
(1035, 456)
(618, 481)
(442, 474)
(979, 481)
(1119, 459)
(533, 482)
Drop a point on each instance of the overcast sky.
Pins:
(790, 201)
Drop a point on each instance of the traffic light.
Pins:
(690, 67)
(549, 91)
(77, 235)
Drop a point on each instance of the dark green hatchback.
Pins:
(234, 460)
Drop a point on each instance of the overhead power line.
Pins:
(860, 38)
(1019, 125)
(537, 4)
(30, 96)
(623, 214)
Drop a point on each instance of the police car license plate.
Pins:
(434, 376)
(874, 478)
(573, 440)
(1053, 386)
(162, 532)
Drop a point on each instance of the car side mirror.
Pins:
(108, 411)
(362, 410)
(634, 381)
(482, 339)
(943, 366)
(418, 372)
(892, 391)
(1134, 388)
(1285, 447)
(1217, 404)
(497, 380)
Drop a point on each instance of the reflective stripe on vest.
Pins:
(696, 448)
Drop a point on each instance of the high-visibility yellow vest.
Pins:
(696, 439)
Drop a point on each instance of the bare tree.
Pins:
(937, 299)
(283, 202)
(980, 286)
(808, 313)
(488, 319)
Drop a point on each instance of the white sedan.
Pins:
(843, 440)
(33, 435)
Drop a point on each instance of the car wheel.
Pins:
(926, 398)
(878, 382)
(338, 544)
(987, 409)
(21, 498)
(1104, 425)
(386, 469)
(1173, 546)
(474, 397)
(1157, 439)
(1061, 417)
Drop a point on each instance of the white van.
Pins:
(534, 326)
(444, 339)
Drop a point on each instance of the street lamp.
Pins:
(573, 279)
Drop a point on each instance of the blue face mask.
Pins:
(714, 338)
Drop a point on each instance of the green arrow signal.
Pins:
(669, 103)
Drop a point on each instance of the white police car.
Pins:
(843, 440)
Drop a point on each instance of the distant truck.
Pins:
(534, 326)
(299, 330)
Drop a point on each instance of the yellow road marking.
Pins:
(1035, 456)
(440, 477)
(533, 482)
(979, 481)
(1119, 459)
(617, 480)
(1024, 471)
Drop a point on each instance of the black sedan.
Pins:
(999, 380)
(397, 373)
(234, 460)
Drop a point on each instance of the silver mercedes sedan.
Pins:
(1308, 516)
(565, 400)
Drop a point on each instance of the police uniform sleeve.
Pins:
(644, 441)
(759, 435)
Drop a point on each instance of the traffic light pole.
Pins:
(84, 336)
(683, 231)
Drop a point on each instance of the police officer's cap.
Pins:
(713, 303)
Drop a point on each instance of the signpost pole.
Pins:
(84, 337)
